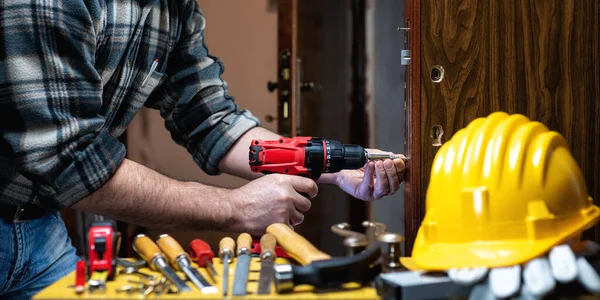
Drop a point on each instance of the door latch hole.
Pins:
(437, 74)
(436, 135)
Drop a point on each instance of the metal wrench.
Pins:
(133, 270)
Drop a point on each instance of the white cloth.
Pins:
(536, 278)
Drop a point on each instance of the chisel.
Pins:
(150, 252)
(226, 246)
(180, 260)
(267, 260)
(242, 265)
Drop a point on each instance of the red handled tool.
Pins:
(307, 156)
(202, 255)
(103, 246)
(279, 252)
(80, 277)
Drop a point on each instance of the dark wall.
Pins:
(389, 100)
(323, 46)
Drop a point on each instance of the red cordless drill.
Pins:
(307, 156)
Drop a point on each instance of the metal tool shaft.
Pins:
(161, 264)
(376, 156)
(225, 274)
(267, 258)
(267, 270)
(226, 246)
(192, 274)
(241, 275)
(242, 265)
(211, 270)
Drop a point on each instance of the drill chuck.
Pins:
(344, 156)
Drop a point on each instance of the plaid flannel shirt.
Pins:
(74, 73)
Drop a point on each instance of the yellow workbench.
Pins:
(62, 289)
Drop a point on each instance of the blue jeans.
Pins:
(33, 255)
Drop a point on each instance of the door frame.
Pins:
(287, 57)
(412, 190)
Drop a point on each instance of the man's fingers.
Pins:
(400, 167)
(301, 203)
(296, 218)
(366, 186)
(392, 175)
(382, 184)
(369, 171)
(304, 185)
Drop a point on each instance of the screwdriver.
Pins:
(150, 252)
(202, 255)
(225, 254)
(181, 261)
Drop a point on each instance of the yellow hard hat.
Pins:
(502, 191)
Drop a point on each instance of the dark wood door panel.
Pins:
(538, 58)
(323, 28)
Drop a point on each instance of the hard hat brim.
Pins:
(491, 254)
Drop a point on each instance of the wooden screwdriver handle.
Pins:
(295, 245)
(244, 244)
(171, 248)
(146, 248)
(267, 245)
(226, 246)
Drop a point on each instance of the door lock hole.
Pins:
(436, 135)
(437, 74)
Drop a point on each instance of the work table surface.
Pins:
(63, 289)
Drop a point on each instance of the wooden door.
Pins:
(537, 58)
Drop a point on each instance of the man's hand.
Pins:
(273, 198)
(375, 181)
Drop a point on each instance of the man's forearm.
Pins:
(236, 161)
(141, 196)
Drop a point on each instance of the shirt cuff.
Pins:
(91, 168)
(215, 146)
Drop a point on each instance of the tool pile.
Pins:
(286, 260)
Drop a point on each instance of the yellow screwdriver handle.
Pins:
(172, 250)
(267, 246)
(146, 248)
(226, 246)
(295, 245)
(244, 244)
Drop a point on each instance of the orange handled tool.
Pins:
(202, 255)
